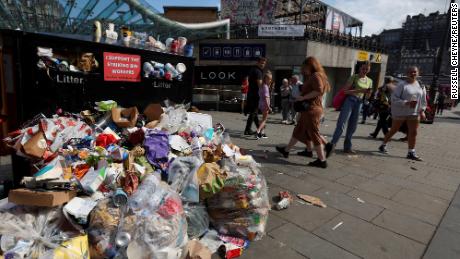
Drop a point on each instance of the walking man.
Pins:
(252, 103)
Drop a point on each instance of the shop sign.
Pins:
(363, 56)
(278, 30)
(231, 51)
(122, 67)
(220, 75)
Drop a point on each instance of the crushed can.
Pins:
(234, 240)
(229, 251)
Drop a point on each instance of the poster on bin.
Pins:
(122, 67)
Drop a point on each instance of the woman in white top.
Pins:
(408, 104)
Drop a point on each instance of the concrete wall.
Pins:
(284, 54)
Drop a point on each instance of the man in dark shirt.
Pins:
(255, 81)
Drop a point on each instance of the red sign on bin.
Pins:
(122, 67)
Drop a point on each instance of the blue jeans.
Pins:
(349, 114)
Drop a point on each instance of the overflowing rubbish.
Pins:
(115, 183)
(313, 200)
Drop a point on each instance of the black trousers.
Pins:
(382, 124)
(252, 118)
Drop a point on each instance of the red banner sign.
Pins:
(122, 67)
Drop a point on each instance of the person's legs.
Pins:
(293, 112)
(385, 116)
(344, 115)
(365, 111)
(264, 121)
(285, 109)
(412, 126)
(285, 150)
(352, 125)
(292, 142)
(396, 124)
(320, 152)
(249, 122)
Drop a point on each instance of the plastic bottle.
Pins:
(144, 193)
(196, 148)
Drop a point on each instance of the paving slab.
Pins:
(406, 226)
(269, 248)
(419, 187)
(352, 180)
(367, 240)
(350, 205)
(432, 219)
(292, 184)
(446, 239)
(308, 244)
(380, 188)
(274, 222)
(326, 183)
(423, 201)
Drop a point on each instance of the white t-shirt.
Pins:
(406, 92)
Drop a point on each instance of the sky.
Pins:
(375, 14)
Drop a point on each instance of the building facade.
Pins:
(417, 43)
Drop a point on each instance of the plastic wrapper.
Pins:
(197, 220)
(155, 222)
(182, 176)
(31, 232)
(241, 208)
(211, 179)
(156, 147)
(173, 119)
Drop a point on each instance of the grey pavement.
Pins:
(388, 207)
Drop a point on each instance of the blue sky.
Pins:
(375, 14)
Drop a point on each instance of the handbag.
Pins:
(340, 97)
(301, 106)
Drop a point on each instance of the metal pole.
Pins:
(438, 63)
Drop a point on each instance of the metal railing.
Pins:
(314, 34)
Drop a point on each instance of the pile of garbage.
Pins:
(115, 183)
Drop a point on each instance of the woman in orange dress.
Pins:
(307, 129)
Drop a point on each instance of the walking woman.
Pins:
(357, 86)
(307, 128)
(264, 103)
(383, 98)
(408, 104)
(285, 95)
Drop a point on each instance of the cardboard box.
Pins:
(40, 198)
(125, 118)
(153, 112)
